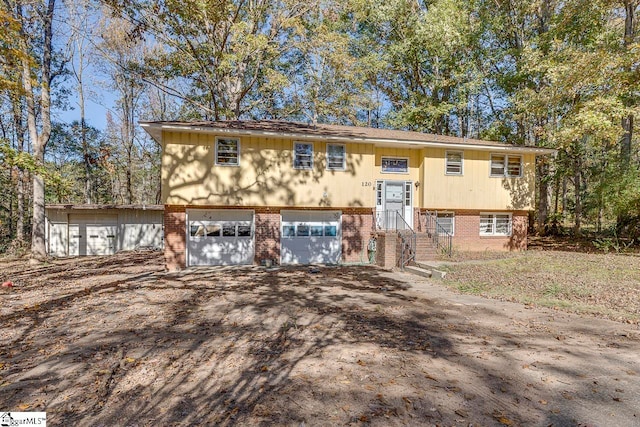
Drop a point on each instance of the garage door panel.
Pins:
(220, 237)
(311, 251)
(311, 237)
(209, 251)
(92, 234)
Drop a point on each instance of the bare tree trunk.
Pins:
(577, 181)
(542, 169)
(20, 190)
(85, 144)
(39, 141)
(627, 122)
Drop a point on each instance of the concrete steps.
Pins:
(425, 270)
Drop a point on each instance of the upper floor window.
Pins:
(395, 165)
(453, 162)
(493, 224)
(336, 157)
(302, 155)
(227, 151)
(506, 165)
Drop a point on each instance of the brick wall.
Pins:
(467, 233)
(357, 229)
(386, 250)
(267, 235)
(175, 229)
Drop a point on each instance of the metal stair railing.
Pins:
(439, 236)
(407, 241)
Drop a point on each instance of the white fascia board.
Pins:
(378, 142)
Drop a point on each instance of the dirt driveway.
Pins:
(115, 341)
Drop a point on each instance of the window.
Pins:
(212, 229)
(379, 194)
(309, 230)
(302, 155)
(453, 160)
(495, 224)
(288, 230)
(227, 151)
(407, 193)
(336, 157)
(446, 222)
(395, 165)
(303, 230)
(506, 165)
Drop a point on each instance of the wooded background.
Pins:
(558, 74)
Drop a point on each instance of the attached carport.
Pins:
(78, 230)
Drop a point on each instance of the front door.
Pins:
(394, 197)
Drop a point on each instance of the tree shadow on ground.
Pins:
(251, 346)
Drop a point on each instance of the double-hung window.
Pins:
(494, 224)
(503, 165)
(446, 222)
(453, 160)
(336, 157)
(227, 151)
(302, 155)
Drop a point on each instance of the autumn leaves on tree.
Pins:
(558, 74)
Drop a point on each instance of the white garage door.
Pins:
(220, 237)
(92, 234)
(311, 237)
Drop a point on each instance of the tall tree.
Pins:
(215, 51)
(35, 39)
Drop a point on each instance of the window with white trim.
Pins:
(395, 165)
(453, 162)
(302, 155)
(227, 151)
(494, 224)
(446, 221)
(336, 157)
(503, 165)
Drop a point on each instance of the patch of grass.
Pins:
(553, 290)
(474, 288)
(604, 285)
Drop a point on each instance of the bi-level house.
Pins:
(245, 192)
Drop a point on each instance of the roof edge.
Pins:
(73, 206)
(155, 129)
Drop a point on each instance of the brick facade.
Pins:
(267, 235)
(357, 229)
(467, 232)
(358, 226)
(175, 237)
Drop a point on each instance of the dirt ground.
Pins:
(118, 342)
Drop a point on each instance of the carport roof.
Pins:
(70, 206)
(332, 133)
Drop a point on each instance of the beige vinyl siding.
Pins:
(475, 189)
(265, 176)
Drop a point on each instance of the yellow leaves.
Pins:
(502, 419)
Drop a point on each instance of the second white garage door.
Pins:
(92, 234)
(311, 237)
(220, 237)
